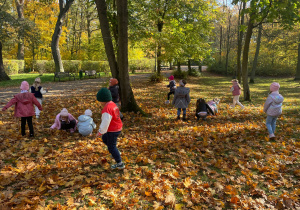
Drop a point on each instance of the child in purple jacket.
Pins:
(273, 109)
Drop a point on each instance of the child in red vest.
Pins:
(24, 102)
(236, 92)
(111, 126)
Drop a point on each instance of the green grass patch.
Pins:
(16, 79)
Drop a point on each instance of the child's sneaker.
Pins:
(167, 102)
(118, 166)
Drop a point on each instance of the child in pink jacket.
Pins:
(24, 102)
(236, 92)
(65, 121)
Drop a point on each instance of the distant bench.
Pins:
(63, 74)
(92, 73)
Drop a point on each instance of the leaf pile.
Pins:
(226, 162)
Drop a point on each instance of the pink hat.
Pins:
(171, 77)
(24, 86)
(274, 86)
(64, 112)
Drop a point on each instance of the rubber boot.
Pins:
(184, 117)
(178, 117)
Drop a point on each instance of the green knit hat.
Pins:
(104, 95)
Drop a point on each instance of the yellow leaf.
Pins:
(178, 206)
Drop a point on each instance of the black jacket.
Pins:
(114, 90)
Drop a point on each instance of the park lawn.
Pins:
(226, 162)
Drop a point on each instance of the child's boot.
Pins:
(178, 117)
(184, 117)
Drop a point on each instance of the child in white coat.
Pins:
(85, 123)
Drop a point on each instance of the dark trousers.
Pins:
(110, 140)
(67, 126)
(170, 93)
(23, 123)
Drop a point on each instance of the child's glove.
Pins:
(98, 135)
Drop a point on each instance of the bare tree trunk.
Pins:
(228, 45)
(256, 54)
(178, 66)
(128, 102)
(109, 49)
(240, 41)
(3, 75)
(160, 25)
(245, 61)
(20, 10)
(63, 9)
(189, 67)
(297, 77)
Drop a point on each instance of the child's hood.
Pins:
(24, 98)
(182, 90)
(277, 98)
(83, 118)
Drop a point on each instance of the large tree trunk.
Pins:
(63, 9)
(256, 54)
(109, 49)
(127, 97)
(245, 61)
(20, 10)
(3, 75)
(240, 41)
(297, 77)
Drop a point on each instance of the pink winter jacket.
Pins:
(57, 123)
(23, 104)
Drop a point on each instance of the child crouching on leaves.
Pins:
(273, 108)
(203, 109)
(38, 92)
(172, 86)
(236, 92)
(85, 123)
(111, 126)
(65, 121)
(24, 107)
(181, 99)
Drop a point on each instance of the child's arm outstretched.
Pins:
(10, 103)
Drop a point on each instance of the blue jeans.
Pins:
(271, 124)
(110, 140)
(179, 110)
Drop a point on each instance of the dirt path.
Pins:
(69, 88)
(66, 88)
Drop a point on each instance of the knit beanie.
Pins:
(64, 112)
(104, 95)
(88, 112)
(182, 83)
(274, 86)
(171, 77)
(113, 81)
(24, 86)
